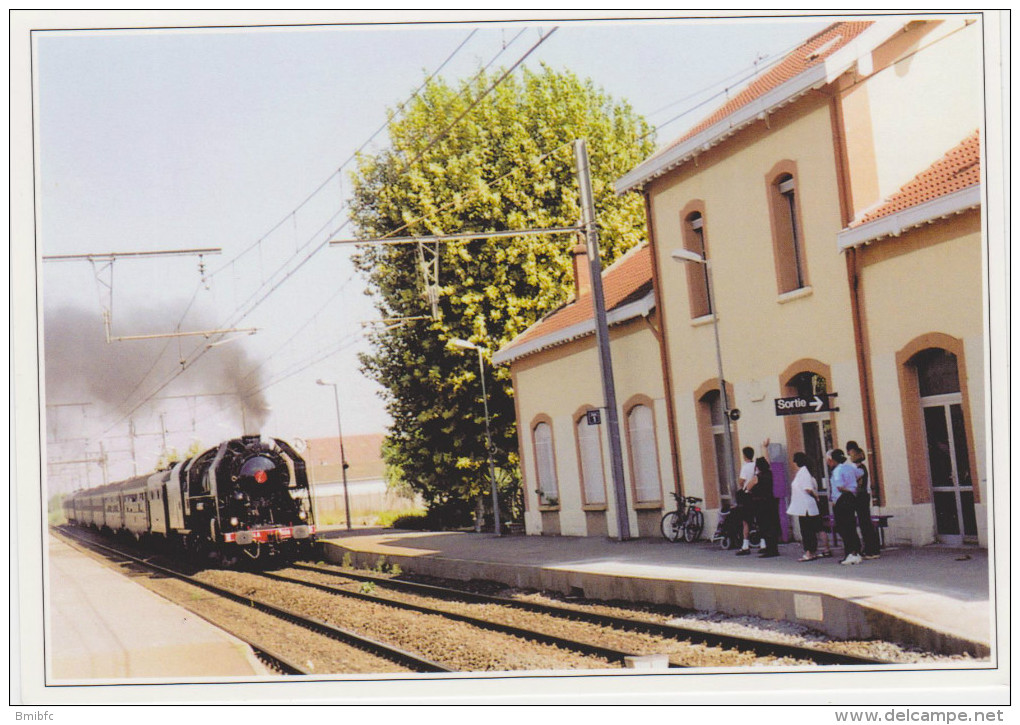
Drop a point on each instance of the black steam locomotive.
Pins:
(246, 499)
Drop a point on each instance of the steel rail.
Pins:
(613, 655)
(393, 654)
(698, 636)
(276, 661)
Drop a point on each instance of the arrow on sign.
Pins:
(817, 403)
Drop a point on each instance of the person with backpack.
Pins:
(745, 501)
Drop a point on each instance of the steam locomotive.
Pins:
(246, 499)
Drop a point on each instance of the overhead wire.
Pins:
(237, 316)
(321, 186)
(301, 329)
(256, 298)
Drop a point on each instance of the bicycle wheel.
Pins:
(693, 527)
(671, 526)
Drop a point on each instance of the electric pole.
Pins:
(602, 338)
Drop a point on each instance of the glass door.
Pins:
(816, 430)
(949, 468)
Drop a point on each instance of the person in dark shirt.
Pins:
(862, 502)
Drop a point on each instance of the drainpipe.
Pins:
(856, 286)
(667, 375)
(863, 369)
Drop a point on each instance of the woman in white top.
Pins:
(804, 504)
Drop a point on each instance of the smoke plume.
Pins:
(82, 367)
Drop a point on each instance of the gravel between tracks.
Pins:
(740, 626)
(454, 644)
(681, 652)
(315, 652)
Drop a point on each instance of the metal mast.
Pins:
(602, 338)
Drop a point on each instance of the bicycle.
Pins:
(687, 522)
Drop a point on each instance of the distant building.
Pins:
(838, 199)
(364, 458)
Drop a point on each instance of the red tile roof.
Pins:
(957, 170)
(626, 280)
(810, 53)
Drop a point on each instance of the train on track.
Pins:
(246, 499)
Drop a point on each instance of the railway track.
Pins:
(608, 653)
(760, 647)
(588, 634)
(276, 661)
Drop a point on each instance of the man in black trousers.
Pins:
(862, 502)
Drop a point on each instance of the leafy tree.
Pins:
(170, 456)
(507, 164)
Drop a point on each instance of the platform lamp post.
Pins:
(686, 255)
(343, 457)
(465, 345)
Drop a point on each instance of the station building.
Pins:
(837, 199)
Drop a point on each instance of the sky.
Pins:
(240, 138)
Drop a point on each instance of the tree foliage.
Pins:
(507, 164)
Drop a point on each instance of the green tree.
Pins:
(170, 456)
(507, 164)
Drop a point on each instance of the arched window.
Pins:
(545, 464)
(643, 454)
(791, 268)
(697, 274)
(589, 449)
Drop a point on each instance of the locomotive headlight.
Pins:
(233, 521)
(302, 515)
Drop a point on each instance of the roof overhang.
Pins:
(639, 308)
(896, 224)
(815, 77)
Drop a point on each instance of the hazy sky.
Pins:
(184, 138)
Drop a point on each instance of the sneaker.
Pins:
(744, 552)
(808, 557)
(851, 559)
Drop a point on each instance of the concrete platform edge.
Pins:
(835, 616)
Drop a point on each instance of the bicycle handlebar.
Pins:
(686, 499)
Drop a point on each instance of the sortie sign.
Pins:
(799, 404)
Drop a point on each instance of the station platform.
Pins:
(103, 626)
(932, 597)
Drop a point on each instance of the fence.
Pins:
(366, 506)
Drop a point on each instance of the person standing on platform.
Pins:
(862, 502)
(804, 505)
(766, 508)
(844, 507)
(744, 500)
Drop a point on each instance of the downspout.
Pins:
(667, 377)
(863, 368)
(856, 287)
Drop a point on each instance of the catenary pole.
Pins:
(602, 338)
